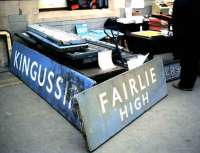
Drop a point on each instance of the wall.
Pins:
(11, 20)
(65, 20)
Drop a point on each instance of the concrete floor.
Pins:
(30, 125)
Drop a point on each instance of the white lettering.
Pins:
(58, 81)
(50, 77)
(142, 87)
(122, 113)
(116, 96)
(132, 85)
(125, 91)
(153, 75)
(138, 105)
(25, 65)
(41, 83)
(147, 78)
(145, 99)
(33, 74)
(66, 87)
(20, 62)
(15, 59)
(103, 101)
(131, 107)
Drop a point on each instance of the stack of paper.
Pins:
(147, 33)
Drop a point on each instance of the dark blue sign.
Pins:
(172, 71)
(56, 83)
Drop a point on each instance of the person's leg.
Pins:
(189, 64)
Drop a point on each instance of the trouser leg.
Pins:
(189, 64)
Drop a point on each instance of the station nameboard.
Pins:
(99, 111)
(110, 106)
(56, 83)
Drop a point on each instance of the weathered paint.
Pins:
(110, 106)
(56, 83)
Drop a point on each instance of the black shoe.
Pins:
(178, 86)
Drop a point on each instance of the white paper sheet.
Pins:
(52, 4)
(128, 12)
(137, 3)
(136, 61)
(105, 60)
(131, 19)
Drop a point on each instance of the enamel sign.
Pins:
(110, 106)
(56, 83)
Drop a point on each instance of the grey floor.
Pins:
(30, 125)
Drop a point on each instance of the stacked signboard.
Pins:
(99, 109)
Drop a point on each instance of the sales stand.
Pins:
(99, 108)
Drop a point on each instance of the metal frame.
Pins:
(8, 43)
